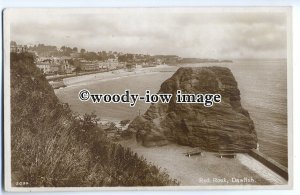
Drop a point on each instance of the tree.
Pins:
(126, 58)
(77, 69)
(102, 55)
(90, 56)
(75, 49)
(76, 63)
(13, 43)
(63, 48)
(82, 51)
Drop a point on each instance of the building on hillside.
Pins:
(18, 48)
(45, 67)
(121, 65)
(68, 68)
(75, 55)
(112, 63)
(64, 66)
(89, 65)
(48, 67)
(103, 65)
(55, 65)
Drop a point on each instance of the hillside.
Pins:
(52, 147)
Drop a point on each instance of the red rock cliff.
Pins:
(226, 125)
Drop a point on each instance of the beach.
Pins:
(113, 75)
(113, 82)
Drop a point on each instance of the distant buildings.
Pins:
(89, 65)
(55, 65)
(61, 65)
(110, 64)
(103, 65)
(18, 48)
(75, 55)
(47, 67)
(66, 60)
(114, 64)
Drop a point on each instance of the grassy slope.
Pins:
(53, 147)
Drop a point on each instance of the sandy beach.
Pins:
(207, 169)
(112, 75)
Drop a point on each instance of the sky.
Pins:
(190, 32)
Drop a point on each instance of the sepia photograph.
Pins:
(147, 98)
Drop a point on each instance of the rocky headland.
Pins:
(224, 126)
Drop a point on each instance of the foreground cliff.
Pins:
(52, 147)
(226, 125)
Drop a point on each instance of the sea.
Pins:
(262, 83)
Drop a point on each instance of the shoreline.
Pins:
(63, 76)
(101, 76)
(76, 80)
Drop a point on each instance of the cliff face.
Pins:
(226, 125)
(52, 147)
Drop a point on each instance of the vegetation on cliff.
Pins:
(50, 146)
